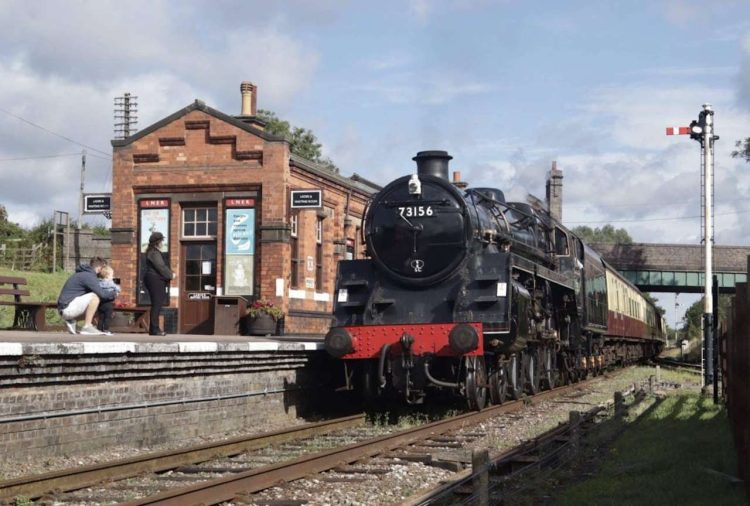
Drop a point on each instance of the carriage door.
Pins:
(197, 270)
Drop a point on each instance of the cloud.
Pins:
(743, 92)
(421, 9)
(423, 88)
(86, 53)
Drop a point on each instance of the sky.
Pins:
(506, 87)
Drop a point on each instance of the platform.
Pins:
(24, 342)
(64, 394)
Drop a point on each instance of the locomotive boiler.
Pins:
(467, 293)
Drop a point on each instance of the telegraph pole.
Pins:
(80, 197)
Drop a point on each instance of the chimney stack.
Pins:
(554, 192)
(457, 180)
(249, 98)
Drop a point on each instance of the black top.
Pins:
(155, 264)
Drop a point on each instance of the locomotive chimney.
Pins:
(249, 97)
(433, 163)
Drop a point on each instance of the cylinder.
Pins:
(433, 163)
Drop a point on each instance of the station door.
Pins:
(198, 277)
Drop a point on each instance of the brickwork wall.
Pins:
(146, 426)
(80, 246)
(199, 153)
(678, 257)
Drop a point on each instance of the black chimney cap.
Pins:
(434, 163)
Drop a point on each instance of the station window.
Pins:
(294, 243)
(199, 222)
(319, 254)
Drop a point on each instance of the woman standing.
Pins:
(157, 276)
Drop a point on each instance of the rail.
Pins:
(37, 486)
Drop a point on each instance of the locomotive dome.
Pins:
(416, 228)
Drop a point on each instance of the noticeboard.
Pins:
(307, 199)
(97, 203)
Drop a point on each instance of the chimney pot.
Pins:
(249, 98)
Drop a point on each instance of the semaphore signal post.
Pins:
(702, 130)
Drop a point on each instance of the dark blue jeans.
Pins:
(104, 314)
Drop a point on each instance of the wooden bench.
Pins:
(28, 315)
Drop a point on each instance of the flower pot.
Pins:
(261, 325)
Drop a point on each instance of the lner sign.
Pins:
(307, 198)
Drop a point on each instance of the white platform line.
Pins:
(197, 347)
(7, 349)
(115, 347)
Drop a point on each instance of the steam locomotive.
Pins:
(469, 293)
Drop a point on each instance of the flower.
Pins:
(262, 306)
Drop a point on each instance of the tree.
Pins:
(694, 315)
(743, 150)
(653, 301)
(8, 229)
(302, 142)
(607, 233)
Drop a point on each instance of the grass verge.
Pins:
(44, 287)
(679, 452)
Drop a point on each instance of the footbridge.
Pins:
(676, 268)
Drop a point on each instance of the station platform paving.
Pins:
(24, 342)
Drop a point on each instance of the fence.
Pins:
(19, 258)
(735, 363)
(76, 247)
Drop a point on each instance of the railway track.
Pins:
(152, 464)
(417, 444)
(675, 364)
(225, 471)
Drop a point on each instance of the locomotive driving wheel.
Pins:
(476, 383)
(513, 377)
(548, 367)
(498, 379)
(531, 371)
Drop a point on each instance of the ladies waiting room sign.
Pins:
(239, 247)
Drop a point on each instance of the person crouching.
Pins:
(80, 297)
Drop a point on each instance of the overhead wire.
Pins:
(640, 220)
(38, 157)
(54, 133)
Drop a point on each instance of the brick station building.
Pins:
(221, 191)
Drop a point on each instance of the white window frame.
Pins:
(293, 224)
(195, 222)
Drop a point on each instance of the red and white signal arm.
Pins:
(678, 130)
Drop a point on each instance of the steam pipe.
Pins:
(435, 380)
